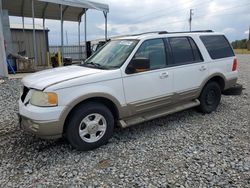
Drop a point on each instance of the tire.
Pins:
(210, 97)
(235, 90)
(94, 122)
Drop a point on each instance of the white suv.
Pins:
(128, 81)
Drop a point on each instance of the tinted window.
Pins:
(217, 46)
(154, 50)
(181, 49)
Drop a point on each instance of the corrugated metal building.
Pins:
(22, 40)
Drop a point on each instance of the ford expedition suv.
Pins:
(128, 81)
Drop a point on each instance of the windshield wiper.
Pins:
(94, 64)
(97, 65)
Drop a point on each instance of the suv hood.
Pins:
(41, 80)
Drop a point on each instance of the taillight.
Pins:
(235, 64)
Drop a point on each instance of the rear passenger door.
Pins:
(188, 66)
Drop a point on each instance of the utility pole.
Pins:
(190, 19)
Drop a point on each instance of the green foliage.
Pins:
(240, 44)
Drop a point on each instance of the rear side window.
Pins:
(184, 50)
(217, 46)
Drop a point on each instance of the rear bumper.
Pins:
(230, 83)
(47, 130)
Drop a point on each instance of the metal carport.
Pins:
(64, 10)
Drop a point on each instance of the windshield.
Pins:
(112, 55)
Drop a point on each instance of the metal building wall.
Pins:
(21, 42)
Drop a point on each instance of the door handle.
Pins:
(163, 75)
(203, 68)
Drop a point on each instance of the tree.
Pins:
(240, 44)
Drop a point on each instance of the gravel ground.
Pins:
(186, 149)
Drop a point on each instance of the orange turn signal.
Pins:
(52, 98)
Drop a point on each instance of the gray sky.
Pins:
(132, 16)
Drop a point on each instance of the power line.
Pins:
(166, 8)
(234, 7)
(203, 16)
(193, 7)
(173, 11)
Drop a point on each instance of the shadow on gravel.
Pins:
(170, 122)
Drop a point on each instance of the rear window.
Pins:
(217, 46)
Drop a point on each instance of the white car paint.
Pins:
(73, 82)
(43, 79)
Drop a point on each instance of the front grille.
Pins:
(25, 92)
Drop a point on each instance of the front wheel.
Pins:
(210, 97)
(89, 126)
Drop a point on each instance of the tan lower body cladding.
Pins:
(146, 110)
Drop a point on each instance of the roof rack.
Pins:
(166, 32)
(151, 32)
(198, 31)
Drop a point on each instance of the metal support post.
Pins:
(34, 32)
(79, 38)
(3, 64)
(62, 45)
(25, 47)
(85, 31)
(85, 26)
(106, 25)
(45, 41)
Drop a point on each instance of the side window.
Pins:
(184, 50)
(217, 46)
(154, 50)
(181, 49)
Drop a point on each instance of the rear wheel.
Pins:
(210, 97)
(89, 126)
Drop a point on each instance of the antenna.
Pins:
(190, 19)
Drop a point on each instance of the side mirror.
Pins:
(138, 64)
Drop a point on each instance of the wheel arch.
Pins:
(218, 78)
(110, 102)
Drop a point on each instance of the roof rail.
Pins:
(151, 32)
(199, 31)
(163, 32)
(166, 32)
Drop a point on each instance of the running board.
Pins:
(157, 113)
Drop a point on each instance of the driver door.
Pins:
(152, 88)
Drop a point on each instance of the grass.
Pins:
(241, 51)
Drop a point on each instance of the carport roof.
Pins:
(49, 9)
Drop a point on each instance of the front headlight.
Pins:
(44, 99)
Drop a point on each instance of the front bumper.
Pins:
(42, 121)
(47, 130)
